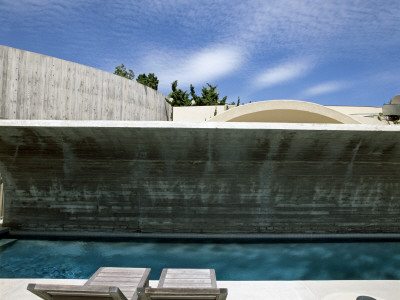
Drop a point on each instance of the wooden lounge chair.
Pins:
(106, 283)
(185, 284)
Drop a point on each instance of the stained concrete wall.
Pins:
(39, 87)
(391, 109)
(169, 177)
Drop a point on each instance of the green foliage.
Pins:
(121, 71)
(147, 80)
(195, 98)
(179, 97)
(150, 80)
(238, 101)
(209, 96)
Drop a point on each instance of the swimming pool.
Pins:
(232, 261)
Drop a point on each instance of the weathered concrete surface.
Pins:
(15, 289)
(391, 109)
(169, 177)
(40, 87)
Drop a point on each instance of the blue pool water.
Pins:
(232, 261)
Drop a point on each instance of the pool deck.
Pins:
(15, 289)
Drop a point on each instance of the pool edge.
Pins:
(199, 237)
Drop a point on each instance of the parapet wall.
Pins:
(167, 177)
(40, 87)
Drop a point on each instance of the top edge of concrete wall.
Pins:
(196, 125)
(34, 86)
(79, 64)
(61, 59)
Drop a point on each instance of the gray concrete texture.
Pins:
(40, 87)
(169, 177)
(391, 109)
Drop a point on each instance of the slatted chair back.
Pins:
(126, 279)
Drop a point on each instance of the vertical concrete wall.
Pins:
(198, 113)
(39, 87)
(1, 199)
(200, 177)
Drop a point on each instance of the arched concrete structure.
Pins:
(284, 111)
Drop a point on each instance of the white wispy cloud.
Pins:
(283, 73)
(205, 65)
(312, 25)
(325, 88)
(224, 42)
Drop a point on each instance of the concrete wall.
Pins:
(1, 199)
(198, 113)
(391, 109)
(38, 87)
(200, 177)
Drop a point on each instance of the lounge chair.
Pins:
(106, 283)
(185, 284)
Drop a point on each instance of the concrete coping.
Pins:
(196, 125)
(240, 237)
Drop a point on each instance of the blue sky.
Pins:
(337, 52)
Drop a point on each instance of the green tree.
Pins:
(121, 71)
(195, 98)
(178, 97)
(210, 96)
(148, 80)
